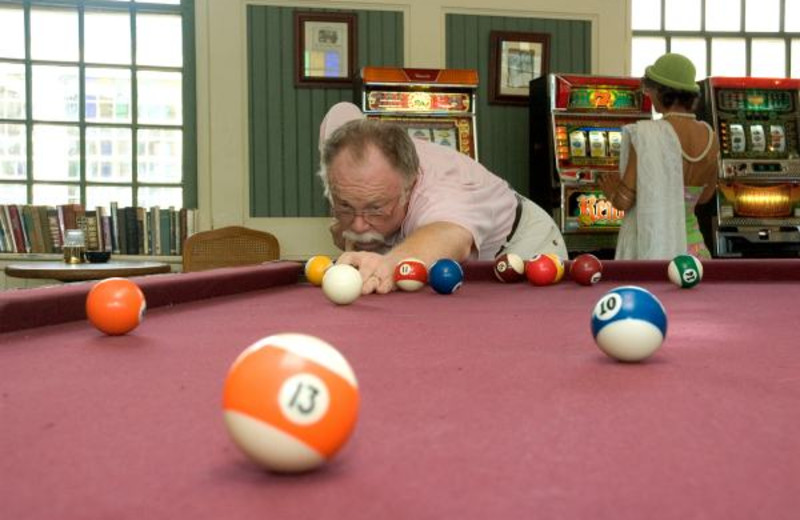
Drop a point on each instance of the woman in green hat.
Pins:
(667, 167)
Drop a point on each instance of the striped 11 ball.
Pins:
(509, 268)
(410, 274)
(685, 271)
(445, 276)
(629, 323)
(290, 402)
(546, 269)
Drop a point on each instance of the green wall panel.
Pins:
(284, 119)
(503, 141)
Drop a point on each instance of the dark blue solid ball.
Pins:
(445, 276)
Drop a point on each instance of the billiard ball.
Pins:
(290, 402)
(685, 271)
(545, 269)
(445, 276)
(315, 268)
(586, 269)
(342, 284)
(410, 274)
(509, 268)
(629, 323)
(115, 306)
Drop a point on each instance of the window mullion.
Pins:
(82, 102)
(29, 103)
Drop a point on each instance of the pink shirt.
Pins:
(451, 187)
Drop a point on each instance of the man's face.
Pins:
(368, 199)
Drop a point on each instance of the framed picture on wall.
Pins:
(515, 58)
(325, 46)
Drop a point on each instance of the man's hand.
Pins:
(377, 271)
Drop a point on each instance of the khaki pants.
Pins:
(536, 233)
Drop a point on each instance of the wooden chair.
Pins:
(228, 247)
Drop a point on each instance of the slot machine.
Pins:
(576, 134)
(758, 190)
(436, 105)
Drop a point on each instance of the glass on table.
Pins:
(74, 246)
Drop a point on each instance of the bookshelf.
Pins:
(38, 229)
(31, 233)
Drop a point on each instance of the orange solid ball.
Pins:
(290, 402)
(115, 306)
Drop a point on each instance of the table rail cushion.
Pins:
(27, 308)
(716, 270)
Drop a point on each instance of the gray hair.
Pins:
(356, 136)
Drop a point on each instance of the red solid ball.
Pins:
(509, 268)
(546, 269)
(410, 274)
(586, 269)
(115, 306)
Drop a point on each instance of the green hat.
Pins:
(673, 70)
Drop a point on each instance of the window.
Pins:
(759, 38)
(97, 103)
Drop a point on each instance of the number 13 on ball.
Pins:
(290, 402)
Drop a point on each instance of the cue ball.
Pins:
(545, 269)
(586, 269)
(685, 271)
(445, 276)
(342, 284)
(410, 274)
(290, 402)
(315, 268)
(509, 268)
(629, 323)
(115, 306)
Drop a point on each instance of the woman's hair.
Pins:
(356, 137)
(669, 96)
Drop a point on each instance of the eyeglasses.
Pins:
(372, 215)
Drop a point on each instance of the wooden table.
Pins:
(65, 272)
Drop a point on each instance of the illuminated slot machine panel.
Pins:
(758, 195)
(576, 134)
(436, 105)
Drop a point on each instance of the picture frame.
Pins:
(325, 49)
(516, 58)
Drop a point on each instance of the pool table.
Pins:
(490, 403)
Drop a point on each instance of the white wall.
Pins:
(222, 90)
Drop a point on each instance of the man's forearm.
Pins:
(434, 241)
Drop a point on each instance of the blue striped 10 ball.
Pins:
(685, 271)
(629, 323)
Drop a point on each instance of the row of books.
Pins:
(129, 231)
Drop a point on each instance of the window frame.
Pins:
(708, 36)
(185, 9)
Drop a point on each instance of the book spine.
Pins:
(115, 247)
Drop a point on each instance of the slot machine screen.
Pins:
(753, 124)
(580, 145)
(450, 132)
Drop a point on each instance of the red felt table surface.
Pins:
(489, 403)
